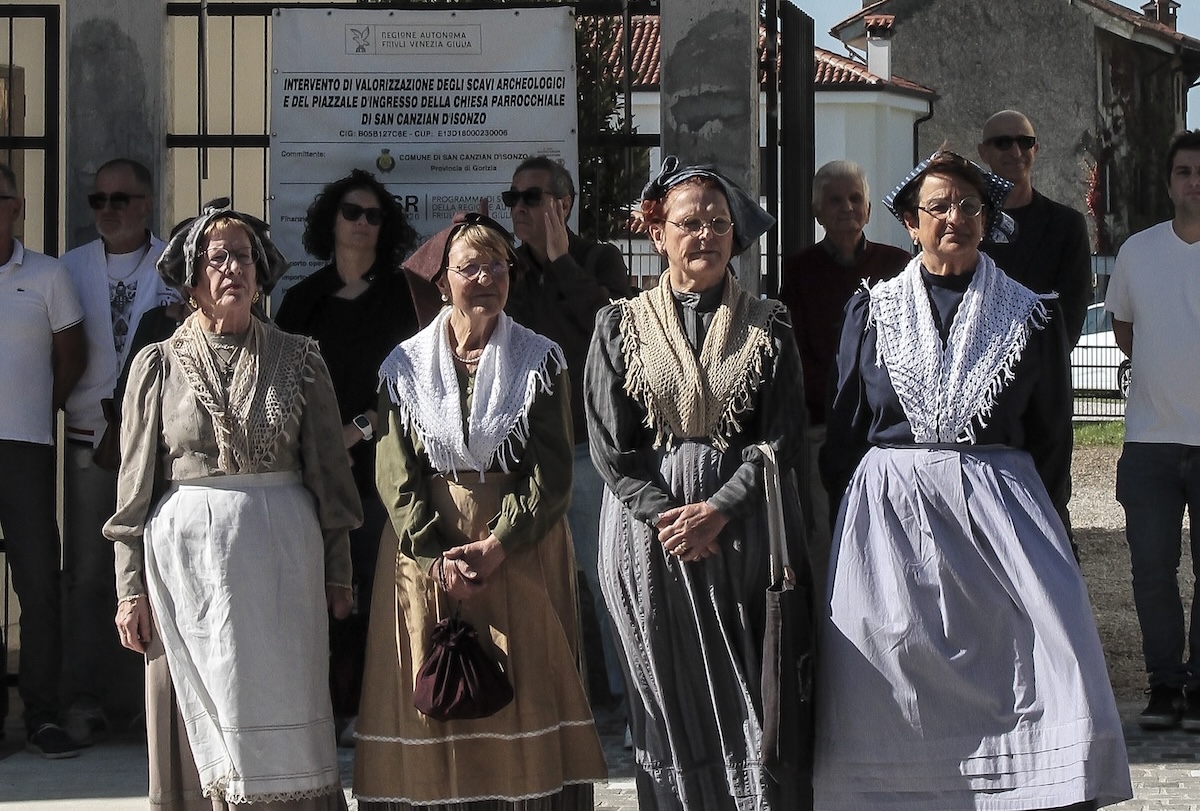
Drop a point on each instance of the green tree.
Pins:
(611, 172)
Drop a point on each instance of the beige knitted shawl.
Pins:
(266, 391)
(689, 398)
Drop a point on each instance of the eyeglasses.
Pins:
(968, 207)
(694, 225)
(221, 257)
(1005, 142)
(351, 212)
(532, 198)
(495, 269)
(117, 201)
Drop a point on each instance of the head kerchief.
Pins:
(999, 226)
(178, 262)
(750, 221)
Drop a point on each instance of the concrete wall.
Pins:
(981, 57)
(114, 97)
(710, 93)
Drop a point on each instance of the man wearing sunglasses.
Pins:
(118, 283)
(565, 281)
(1050, 251)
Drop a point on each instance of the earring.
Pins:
(257, 296)
(192, 303)
(445, 299)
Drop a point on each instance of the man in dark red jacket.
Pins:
(817, 283)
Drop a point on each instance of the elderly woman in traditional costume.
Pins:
(959, 664)
(683, 384)
(474, 467)
(234, 504)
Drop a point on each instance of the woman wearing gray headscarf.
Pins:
(682, 385)
(959, 664)
(234, 506)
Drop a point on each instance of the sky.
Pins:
(827, 13)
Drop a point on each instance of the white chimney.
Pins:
(880, 28)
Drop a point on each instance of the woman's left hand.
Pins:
(340, 600)
(480, 558)
(691, 532)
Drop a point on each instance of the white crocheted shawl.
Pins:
(515, 367)
(688, 397)
(264, 394)
(946, 390)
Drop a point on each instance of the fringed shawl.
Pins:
(686, 397)
(945, 390)
(265, 392)
(517, 364)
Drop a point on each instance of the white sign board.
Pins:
(440, 105)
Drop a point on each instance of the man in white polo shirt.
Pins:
(42, 355)
(1154, 298)
(117, 282)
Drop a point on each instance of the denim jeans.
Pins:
(31, 539)
(1155, 482)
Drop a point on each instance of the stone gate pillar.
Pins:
(710, 94)
(115, 97)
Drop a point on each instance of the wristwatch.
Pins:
(364, 425)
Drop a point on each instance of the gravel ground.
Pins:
(1099, 524)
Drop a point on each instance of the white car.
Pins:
(1097, 363)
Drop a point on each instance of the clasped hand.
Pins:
(464, 570)
(691, 532)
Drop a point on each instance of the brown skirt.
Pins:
(174, 780)
(541, 743)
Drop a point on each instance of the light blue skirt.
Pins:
(959, 665)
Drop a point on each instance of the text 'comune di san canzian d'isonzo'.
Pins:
(425, 95)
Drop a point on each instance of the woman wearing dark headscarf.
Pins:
(474, 467)
(959, 664)
(682, 385)
(358, 307)
(234, 504)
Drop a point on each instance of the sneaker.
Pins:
(1165, 708)
(1191, 713)
(86, 727)
(51, 742)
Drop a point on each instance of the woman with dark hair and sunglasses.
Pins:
(959, 666)
(358, 307)
(475, 471)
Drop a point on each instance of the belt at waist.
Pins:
(241, 481)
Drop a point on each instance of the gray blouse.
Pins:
(168, 435)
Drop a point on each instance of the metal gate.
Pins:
(218, 140)
(30, 93)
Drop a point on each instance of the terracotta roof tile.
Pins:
(834, 72)
(829, 70)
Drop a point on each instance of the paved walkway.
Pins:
(112, 777)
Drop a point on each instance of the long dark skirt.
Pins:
(690, 636)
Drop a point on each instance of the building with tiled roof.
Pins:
(1104, 85)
